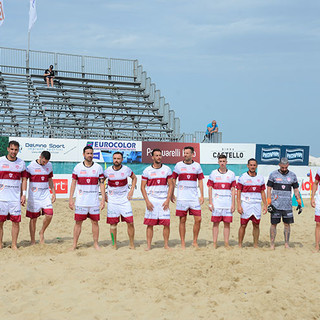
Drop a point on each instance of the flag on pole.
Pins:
(32, 13)
(1, 12)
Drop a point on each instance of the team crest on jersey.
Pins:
(253, 188)
(162, 172)
(17, 166)
(258, 180)
(283, 186)
(188, 176)
(2, 186)
(223, 185)
(5, 166)
(42, 178)
(88, 180)
(117, 183)
(93, 171)
(37, 170)
(34, 189)
(122, 174)
(10, 175)
(228, 178)
(289, 179)
(193, 168)
(47, 169)
(158, 181)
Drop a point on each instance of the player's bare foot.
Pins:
(227, 246)
(195, 245)
(183, 246)
(96, 246)
(73, 248)
(41, 234)
(14, 247)
(147, 249)
(214, 245)
(286, 246)
(240, 245)
(255, 246)
(32, 243)
(167, 247)
(272, 247)
(132, 247)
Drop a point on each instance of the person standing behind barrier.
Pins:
(49, 76)
(157, 189)
(251, 191)
(39, 199)
(279, 200)
(118, 197)
(188, 172)
(87, 176)
(212, 128)
(221, 184)
(315, 203)
(13, 186)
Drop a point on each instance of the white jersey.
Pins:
(118, 183)
(251, 187)
(87, 192)
(317, 177)
(188, 175)
(11, 173)
(39, 181)
(157, 181)
(221, 184)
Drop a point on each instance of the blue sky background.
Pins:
(251, 65)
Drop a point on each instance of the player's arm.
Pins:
(216, 129)
(103, 193)
(145, 196)
(200, 184)
(233, 199)
(170, 190)
(211, 207)
(264, 201)
(72, 189)
(297, 195)
(133, 186)
(51, 186)
(313, 192)
(23, 190)
(173, 198)
(240, 210)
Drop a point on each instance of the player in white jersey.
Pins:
(39, 199)
(189, 173)
(13, 186)
(87, 176)
(251, 191)
(221, 188)
(118, 197)
(157, 189)
(315, 203)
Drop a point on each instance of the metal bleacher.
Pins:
(96, 98)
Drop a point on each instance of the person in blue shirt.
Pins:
(211, 129)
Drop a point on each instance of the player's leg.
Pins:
(14, 234)
(166, 233)
(317, 235)
(182, 231)
(286, 233)
(48, 83)
(149, 232)
(226, 233)
(95, 233)
(242, 231)
(46, 221)
(215, 232)
(255, 233)
(275, 220)
(32, 230)
(113, 234)
(76, 233)
(1, 233)
(130, 229)
(51, 79)
(196, 230)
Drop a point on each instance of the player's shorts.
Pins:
(183, 206)
(251, 211)
(82, 213)
(287, 216)
(115, 210)
(219, 215)
(36, 208)
(317, 215)
(10, 211)
(158, 216)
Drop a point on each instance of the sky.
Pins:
(252, 65)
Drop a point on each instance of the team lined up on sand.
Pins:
(157, 187)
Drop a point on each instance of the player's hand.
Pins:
(23, 200)
(130, 194)
(106, 198)
(102, 205)
(71, 204)
(299, 208)
(211, 207)
(240, 209)
(201, 200)
(173, 198)
(165, 205)
(149, 206)
(271, 208)
(264, 209)
(232, 208)
(53, 198)
(313, 203)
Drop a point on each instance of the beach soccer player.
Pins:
(13, 186)
(87, 180)
(315, 203)
(279, 187)
(118, 196)
(39, 199)
(157, 188)
(250, 193)
(190, 177)
(221, 188)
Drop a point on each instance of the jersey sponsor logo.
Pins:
(249, 181)
(184, 169)
(37, 170)
(111, 175)
(34, 189)
(153, 174)
(83, 172)
(80, 192)
(278, 179)
(218, 178)
(5, 166)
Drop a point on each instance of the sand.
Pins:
(49, 282)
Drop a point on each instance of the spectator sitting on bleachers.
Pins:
(49, 76)
(211, 129)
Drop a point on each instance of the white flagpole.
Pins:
(32, 20)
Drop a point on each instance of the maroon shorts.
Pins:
(10, 217)
(116, 220)
(155, 222)
(317, 218)
(252, 218)
(33, 215)
(221, 218)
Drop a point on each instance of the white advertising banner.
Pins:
(237, 153)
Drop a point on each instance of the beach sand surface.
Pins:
(49, 282)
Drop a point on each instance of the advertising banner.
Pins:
(236, 153)
(172, 152)
(271, 154)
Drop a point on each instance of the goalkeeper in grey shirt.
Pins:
(279, 186)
